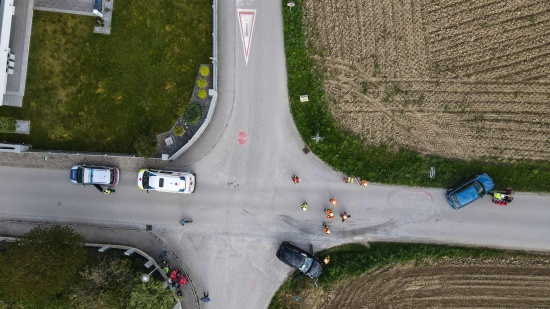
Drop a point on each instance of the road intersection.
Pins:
(246, 204)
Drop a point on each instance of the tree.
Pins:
(105, 285)
(42, 265)
(151, 295)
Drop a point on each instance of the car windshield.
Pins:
(145, 179)
(307, 265)
(79, 175)
(479, 188)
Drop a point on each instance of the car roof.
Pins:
(467, 196)
(291, 255)
(164, 182)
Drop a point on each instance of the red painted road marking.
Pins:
(241, 138)
(246, 23)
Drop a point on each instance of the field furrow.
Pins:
(443, 78)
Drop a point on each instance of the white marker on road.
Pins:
(246, 23)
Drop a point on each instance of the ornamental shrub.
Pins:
(146, 146)
(205, 70)
(7, 125)
(192, 114)
(178, 131)
(202, 94)
(201, 83)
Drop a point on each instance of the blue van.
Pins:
(470, 191)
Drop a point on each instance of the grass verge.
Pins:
(93, 92)
(354, 260)
(347, 152)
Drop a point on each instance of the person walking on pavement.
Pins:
(205, 298)
(345, 217)
(326, 230)
(333, 201)
(330, 214)
(304, 206)
(162, 258)
(295, 179)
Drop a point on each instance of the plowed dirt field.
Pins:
(454, 78)
(450, 283)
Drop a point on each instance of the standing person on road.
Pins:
(345, 217)
(333, 201)
(107, 191)
(205, 298)
(295, 179)
(304, 206)
(330, 214)
(326, 230)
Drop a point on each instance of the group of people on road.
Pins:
(328, 211)
(502, 198)
(330, 215)
(176, 278)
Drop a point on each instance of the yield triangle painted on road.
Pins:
(246, 23)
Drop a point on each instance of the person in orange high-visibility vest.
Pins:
(327, 259)
(326, 230)
(330, 214)
(333, 201)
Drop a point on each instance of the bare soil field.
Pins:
(449, 283)
(453, 78)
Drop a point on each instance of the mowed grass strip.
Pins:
(93, 92)
(351, 155)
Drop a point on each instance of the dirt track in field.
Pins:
(460, 79)
(451, 283)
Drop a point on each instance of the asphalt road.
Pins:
(245, 203)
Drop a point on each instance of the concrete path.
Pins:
(79, 7)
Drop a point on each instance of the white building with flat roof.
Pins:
(7, 59)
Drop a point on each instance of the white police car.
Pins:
(166, 181)
(94, 175)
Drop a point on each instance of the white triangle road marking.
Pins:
(246, 23)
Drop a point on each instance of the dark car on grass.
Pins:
(300, 259)
(470, 191)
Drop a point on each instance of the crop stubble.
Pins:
(459, 79)
(449, 283)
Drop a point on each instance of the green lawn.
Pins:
(348, 153)
(94, 92)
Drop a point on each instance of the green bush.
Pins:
(201, 83)
(205, 70)
(146, 146)
(192, 114)
(202, 94)
(178, 131)
(7, 125)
